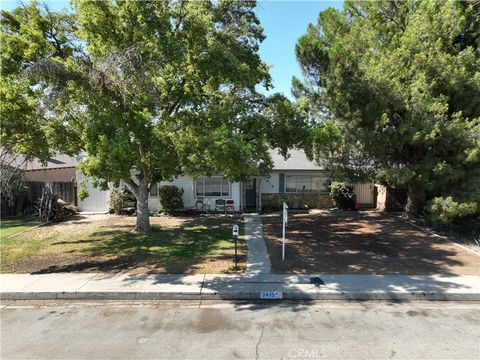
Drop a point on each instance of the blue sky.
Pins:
(283, 22)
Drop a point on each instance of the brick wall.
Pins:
(294, 201)
(389, 199)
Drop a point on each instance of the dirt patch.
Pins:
(364, 242)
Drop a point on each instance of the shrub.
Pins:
(170, 198)
(448, 211)
(154, 212)
(342, 195)
(119, 200)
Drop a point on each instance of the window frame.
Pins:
(322, 189)
(221, 188)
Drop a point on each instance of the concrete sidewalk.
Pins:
(258, 260)
(83, 286)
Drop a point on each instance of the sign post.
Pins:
(235, 236)
(284, 221)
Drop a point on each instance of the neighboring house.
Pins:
(60, 168)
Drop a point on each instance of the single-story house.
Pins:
(296, 180)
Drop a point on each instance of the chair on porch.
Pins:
(220, 205)
(200, 205)
(230, 205)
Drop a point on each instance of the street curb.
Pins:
(241, 295)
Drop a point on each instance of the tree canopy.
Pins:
(28, 36)
(397, 88)
(148, 89)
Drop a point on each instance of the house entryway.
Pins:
(251, 193)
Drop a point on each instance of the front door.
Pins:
(251, 193)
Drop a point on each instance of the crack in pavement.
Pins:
(258, 342)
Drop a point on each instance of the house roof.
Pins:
(296, 160)
(55, 162)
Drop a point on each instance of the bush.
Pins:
(342, 195)
(119, 199)
(448, 211)
(154, 212)
(170, 198)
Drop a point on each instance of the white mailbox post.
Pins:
(285, 221)
(235, 231)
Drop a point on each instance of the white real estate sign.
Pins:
(284, 221)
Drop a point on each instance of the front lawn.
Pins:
(14, 225)
(107, 243)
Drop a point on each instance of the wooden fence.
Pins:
(65, 190)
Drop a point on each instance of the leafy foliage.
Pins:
(342, 195)
(401, 81)
(170, 198)
(448, 211)
(119, 199)
(150, 89)
(29, 35)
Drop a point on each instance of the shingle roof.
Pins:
(55, 162)
(297, 160)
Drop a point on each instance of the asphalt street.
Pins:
(233, 330)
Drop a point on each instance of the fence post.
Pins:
(74, 191)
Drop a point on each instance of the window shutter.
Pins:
(281, 183)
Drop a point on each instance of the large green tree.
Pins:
(154, 89)
(396, 86)
(29, 35)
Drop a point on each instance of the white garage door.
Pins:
(97, 200)
(365, 194)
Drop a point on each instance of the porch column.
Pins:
(259, 195)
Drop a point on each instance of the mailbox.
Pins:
(235, 230)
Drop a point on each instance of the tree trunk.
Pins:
(415, 200)
(140, 192)
(143, 216)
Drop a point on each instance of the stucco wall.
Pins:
(269, 185)
(381, 197)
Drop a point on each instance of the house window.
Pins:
(212, 186)
(303, 183)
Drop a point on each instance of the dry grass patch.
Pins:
(107, 243)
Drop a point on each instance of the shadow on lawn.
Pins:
(364, 242)
(166, 249)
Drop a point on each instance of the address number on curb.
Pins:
(271, 295)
